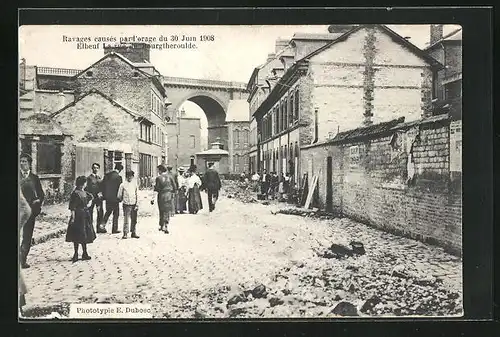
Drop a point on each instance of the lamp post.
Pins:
(180, 113)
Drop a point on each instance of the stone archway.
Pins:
(215, 111)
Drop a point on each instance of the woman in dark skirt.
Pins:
(194, 196)
(80, 230)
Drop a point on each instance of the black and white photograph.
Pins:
(240, 172)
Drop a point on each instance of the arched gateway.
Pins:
(212, 96)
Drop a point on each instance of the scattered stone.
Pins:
(236, 299)
(229, 196)
(259, 291)
(275, 301)
(370, 304)
(200, 314)
(236, 312)
(265, 203)
(345, 309)
(358, 248)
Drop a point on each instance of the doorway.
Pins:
(329, 184)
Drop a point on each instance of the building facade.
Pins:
(447, 93)
(367, 74)
(184, 139)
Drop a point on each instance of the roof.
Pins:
(368, 130)
(455, 35)
(41, 124)
(213, 152)
(237, 111)
(312, 36)
(395, 36)
(123, 58)
(95, 91)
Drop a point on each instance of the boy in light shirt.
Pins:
(127, 193)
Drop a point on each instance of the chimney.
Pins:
(135, 52)
(61, 101)
(270, 57)
(436, 33)
(340, 29)
(280, 45)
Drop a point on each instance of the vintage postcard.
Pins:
(218, 172)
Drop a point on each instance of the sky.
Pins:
(232, 55)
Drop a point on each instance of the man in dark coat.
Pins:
(34, 195)
(212, 184)
(265, 183)
(94, 182)
(110, 185)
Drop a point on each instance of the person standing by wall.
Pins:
(32, 191)
(128, 194)
(94, 187)
(164, 188)
(212, 183)
(110, 185)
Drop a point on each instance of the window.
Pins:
(192, 139)
(236, 138)
(136, 74)
(145, 165)
(89, 73)
(316, 126)
(145, 133)
(48, 158)
(236, 163)
(292, 103)
(245, 134)
(282, 115)
(285, 114)
(296, 108)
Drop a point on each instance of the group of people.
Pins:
(272, 185)
(175, 194)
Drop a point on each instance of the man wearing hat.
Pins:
(34, 195)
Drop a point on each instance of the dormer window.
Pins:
(89, 73)
(136, 74)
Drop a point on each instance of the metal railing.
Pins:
(202, 82)
(56, 71)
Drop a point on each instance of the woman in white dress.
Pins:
(194, 197)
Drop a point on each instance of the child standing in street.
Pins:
(127, 192)
(80, 230)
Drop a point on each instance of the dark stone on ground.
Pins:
(345, 309)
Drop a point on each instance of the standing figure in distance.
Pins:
(174, 193)
(181, 191)
(194, 196)
(34, 195)
(265, 183)
(80, 230)
(212, 184)
(164, 187)
(94, 187)
(110, 184)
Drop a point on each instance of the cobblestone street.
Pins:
(210, 259)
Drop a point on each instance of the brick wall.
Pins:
(375, 188)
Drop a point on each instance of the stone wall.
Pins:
(398, 181)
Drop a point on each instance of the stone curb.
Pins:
(49, 235)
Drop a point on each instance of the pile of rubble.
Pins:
(311, 213)
(241, 191)
(340, 282)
